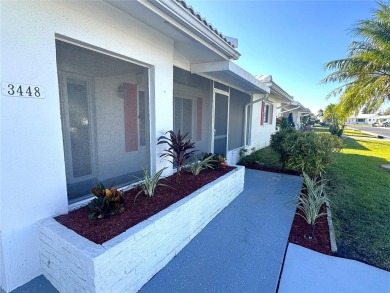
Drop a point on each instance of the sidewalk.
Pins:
(309, 271)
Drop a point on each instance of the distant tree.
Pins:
(320, 113)
(366, 71)
(366, 110)
(387, 111)
(330, 113)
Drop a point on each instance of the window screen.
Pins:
(104, 119)
(183, 116)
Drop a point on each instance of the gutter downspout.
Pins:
(246, 115)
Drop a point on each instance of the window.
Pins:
(266, 113)
(360, 120)
(104, 110)
(183, 110)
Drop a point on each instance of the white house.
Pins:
(365, 119)
(88, 87)
(297, 110)
(285, 103)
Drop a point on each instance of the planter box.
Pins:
(125, 263)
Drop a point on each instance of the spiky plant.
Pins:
(150, 183)
(179, 150)
(310, 202)
(199, 165)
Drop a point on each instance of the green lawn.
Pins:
(360, 192)
(265, 156)
(356, 133)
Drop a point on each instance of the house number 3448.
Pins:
(22, 90)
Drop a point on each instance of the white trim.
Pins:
(193, 98)
(227, 95)
(230, 71)
(63, 78)
(91, 47)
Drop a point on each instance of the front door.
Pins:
(221, 110)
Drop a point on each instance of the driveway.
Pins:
(384, 131)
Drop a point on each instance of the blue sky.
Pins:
(291, 40)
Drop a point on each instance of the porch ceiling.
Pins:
(231, 74)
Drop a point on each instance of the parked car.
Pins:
(376, 124)
(386, 124)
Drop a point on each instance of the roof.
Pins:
(230, 73)
(203, 20)
(275, 88)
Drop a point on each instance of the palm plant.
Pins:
(311, 201)
(330, 113)
(179, 148)
(365, 73)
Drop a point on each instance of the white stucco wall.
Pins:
(33, 184)
(260, 134)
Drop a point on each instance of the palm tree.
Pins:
(366, 71)
(330, 113)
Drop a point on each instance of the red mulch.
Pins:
(321, 241)
(299, 228)
(102, 230)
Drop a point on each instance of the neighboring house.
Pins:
(271, 108)
(365, 119)
(298, 112)
(88, 87)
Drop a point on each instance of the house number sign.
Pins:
(13, 89)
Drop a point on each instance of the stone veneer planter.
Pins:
(125, 263)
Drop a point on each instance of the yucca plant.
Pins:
(150, 183)
(199, 165)
(310, 202)
(179, 148)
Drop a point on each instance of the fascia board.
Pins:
(176, 11)
(279, 91)
(232, 69)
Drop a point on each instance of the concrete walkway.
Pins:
(242, 249)
(309, 271)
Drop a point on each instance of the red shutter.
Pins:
(271, 113)
(262, 113)
(131, 117)
(199, 119)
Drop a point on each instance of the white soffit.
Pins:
(231, 74)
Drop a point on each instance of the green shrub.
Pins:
(310, 152)
(336, 130)
(285, 123)
(277, 140)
